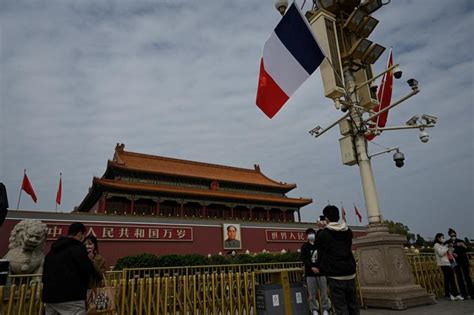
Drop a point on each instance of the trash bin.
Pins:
(269, 299)
(4, 270)
(299, 300)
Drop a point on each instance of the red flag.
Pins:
(60, 189)
(344, 214)
(358, 213)
(26, 186)
(384, 96)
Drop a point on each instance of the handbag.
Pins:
(100, 300)
(451, 259)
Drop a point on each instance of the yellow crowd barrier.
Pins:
(225, 289)
(428, 275)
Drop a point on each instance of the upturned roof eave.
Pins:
(282, 187)
(301, 202)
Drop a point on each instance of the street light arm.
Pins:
(400, 128)
(376, 77)
(384, 151)
(316, 132)
(412, 93)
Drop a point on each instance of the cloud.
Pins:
(178, 79)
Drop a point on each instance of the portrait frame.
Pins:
(227, 242)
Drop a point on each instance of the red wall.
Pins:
(206, 240)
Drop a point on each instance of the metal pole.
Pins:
(365, 167)
(21, 188)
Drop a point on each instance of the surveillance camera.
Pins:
(281, 6)
(399, 159)
(373, 87)
(424, 136)
(315, 131)
(412, 121)
(413, 84)
(430, 120)
(397, 72)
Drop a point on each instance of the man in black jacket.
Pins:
(337, 263)
(462, 267)
(66, 272)
(314, 281)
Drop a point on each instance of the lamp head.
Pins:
(281, 6)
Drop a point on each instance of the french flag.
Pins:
(290, 56)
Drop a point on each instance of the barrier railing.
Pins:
(133, 273)
(428, 274)
(219, 289)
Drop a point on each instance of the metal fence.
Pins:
(428, 274)
(219, 289)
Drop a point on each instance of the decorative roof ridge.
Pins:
(120, 149)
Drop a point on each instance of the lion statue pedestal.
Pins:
(25, 250)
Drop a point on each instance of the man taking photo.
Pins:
(337, 263)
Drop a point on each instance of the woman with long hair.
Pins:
(442, 252)
(99, 262)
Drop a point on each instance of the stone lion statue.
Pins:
(25, 250)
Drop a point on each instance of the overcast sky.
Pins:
(178, 79)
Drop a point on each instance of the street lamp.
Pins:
(342, 28)
(281, 6)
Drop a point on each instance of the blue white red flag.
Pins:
(290, 56)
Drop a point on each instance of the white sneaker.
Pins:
(315, 313)
(325, 312)
(452, 298)
(459, 297)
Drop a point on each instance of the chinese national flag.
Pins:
(359, 216)
(59, 193)
(26, 187)
(384, 96)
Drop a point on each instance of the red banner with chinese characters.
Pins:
(284, 236)
(126, 232)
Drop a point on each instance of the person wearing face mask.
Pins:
(314, 281)
(442, 260)
(462, 268)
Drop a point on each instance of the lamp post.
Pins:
(342, 28)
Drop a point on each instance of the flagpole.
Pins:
(342, 213)
(21, 188)
(19, 197)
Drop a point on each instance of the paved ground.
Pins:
(443, 307)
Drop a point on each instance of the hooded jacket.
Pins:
(67, 271)
(335, 258)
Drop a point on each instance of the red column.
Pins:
(284, 215)
(268, 214)
(101, 208)
(157, 208)
(232, 212)
(181, 210)
(132, 205)
(204, 210)
(250, 213)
